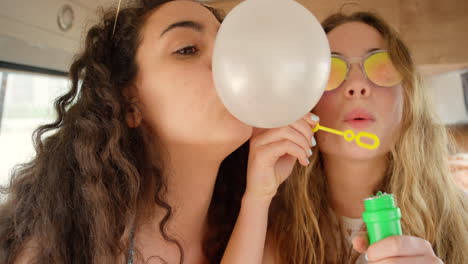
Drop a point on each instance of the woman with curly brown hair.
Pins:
(143, 162)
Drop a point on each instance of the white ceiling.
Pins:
(92, 5)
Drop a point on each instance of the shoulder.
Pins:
(459, 168)
(269, 254)
(27, 253)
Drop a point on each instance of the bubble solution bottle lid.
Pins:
(382, 217)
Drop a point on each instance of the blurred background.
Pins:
(39, 38)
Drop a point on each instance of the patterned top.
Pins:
(353, 227)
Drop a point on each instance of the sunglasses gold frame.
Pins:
(360, 61)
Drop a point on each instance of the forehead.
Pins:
(355, 39)
(176, 11)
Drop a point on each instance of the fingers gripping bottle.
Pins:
(381, 216)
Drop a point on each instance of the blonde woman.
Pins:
(316, 215)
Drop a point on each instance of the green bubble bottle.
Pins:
(381, 216)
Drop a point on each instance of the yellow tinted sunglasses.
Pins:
(376, 66)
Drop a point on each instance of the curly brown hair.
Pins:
(93, 177)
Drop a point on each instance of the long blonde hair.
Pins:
(304, 229)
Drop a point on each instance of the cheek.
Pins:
(391, 103)
(178, 99)
(327, 107)
(176, 89)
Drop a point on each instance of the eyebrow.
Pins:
(184, 24)
(368, 51)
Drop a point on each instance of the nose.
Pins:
(357, 85)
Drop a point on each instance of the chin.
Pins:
(351, 151)
(360, 154)
(234, 127)
(230, 133)
(238, 134)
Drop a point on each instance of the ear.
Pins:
(133, 115)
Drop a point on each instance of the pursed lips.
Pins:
(359, 118)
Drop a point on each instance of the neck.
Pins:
(351, 181)
(191, 175)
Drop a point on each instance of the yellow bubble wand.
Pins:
(349, 136)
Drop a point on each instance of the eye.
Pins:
(187, 51)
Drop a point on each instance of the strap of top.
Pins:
(131, 252)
